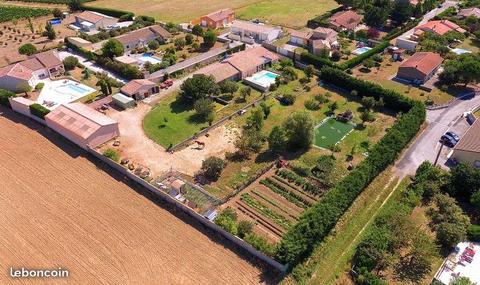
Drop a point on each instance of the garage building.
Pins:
(82, 125)
(467, 149)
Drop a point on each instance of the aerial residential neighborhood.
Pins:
(240, 142)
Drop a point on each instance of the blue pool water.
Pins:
(266, 78)
(150, 58)
(76, 88)
(55, 21)
(361, 50)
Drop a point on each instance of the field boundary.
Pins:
(212, 226)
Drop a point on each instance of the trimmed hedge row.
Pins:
(4, 95)
(392, 99)
(107, 11)
(316, 222)
(39, 111)
(316, 61)
(360, 58)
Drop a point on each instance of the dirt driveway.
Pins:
(136, 146)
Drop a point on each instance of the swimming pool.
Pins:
(262, 80)
(148, 57)
(361, 50)
(56, 92)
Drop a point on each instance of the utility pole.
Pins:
(438, 154)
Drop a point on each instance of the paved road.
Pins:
(430, 15)
(427, 145)
(90, 65)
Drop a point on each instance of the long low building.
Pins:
(240, 65)
(420, 67)
(82, 125)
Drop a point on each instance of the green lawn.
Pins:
(330, 132)
(470, 44)
(172, 121)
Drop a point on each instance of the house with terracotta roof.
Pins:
(420, 67)
(467, 150)
(89, 21)
(139, 89)
(241, 64)
(439, 27)
(39, 66)
(218, 19)
(82, 125)
(251, 32)
(141, 37)
(345, 20)
(315, 40)
(464, 13)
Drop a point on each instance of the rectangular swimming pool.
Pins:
(148, 57)
(361, 50)
(56, 92)
(262, 80)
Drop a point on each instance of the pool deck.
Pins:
(51, 93)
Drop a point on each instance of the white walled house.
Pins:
(257, 32)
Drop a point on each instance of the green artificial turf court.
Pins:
(331, 131)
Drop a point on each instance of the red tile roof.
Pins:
(251, 58)
(424, 62)
(471, 139)
(24, 69)
(346, 19)
(220, 70)
(440, 27)
(16, 70)
(470, 12)
(135, 85)
(220, 15)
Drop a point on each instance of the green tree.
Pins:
(227, 220)
(276, 139)
(228, 86)
(244, 228)
(285, 62)
(368, 102)
(462, 281)
(179, 43)
(251, 140)
(30, 24)
(70, 62)
(450, 234)
(475, 200)
(49, 31)
(376, 16)
(112, 48)
(153, 44)
(463, 69)
(27, 49)
(299, 130)
(209, 39)
(212, 167)
(75, 5)
(464, 180)
(402, 11)
(197, 30)
(332, 107)
(86, 73)
(309, 70)
(265, 108)
(245, 92)
(188, 39)
(368, 63)
(199, 86)
(57, 13)
(204, 107)
(255, 120)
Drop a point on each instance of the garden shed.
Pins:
(123, 101)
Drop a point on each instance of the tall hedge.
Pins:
(360, 58)
(316, 223)
(316, 61)
(4, 95)
(39, 111)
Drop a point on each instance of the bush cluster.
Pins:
(315, 223)
(4, 95)
(39, 111)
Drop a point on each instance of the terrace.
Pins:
(464, 261)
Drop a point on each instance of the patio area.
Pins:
(57, 92)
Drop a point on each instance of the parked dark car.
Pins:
(448, 140)
(453, 135)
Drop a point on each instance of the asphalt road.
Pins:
(427, 145)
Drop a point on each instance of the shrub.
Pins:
(261, 244)
(39, 86)
(473, 233)
(288, 99)
(244, 228)
(27, 49)
(112, 154)
(4, 95)
(312, 105)
(70, 62)
(212, 167)
(227, 220)
(316, 61)
(39, 111)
